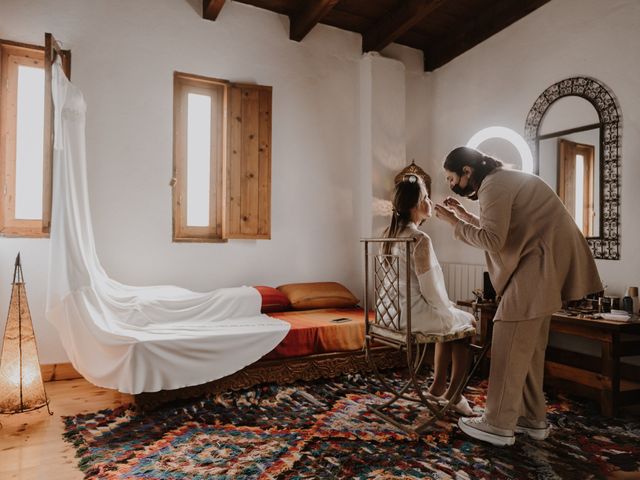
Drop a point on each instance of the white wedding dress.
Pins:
(431, 310)
(135, 339)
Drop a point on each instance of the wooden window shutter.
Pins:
(51, 51)
(567, 174)
(248, 168)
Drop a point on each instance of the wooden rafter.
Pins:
(390, 28)
(302, 23)
(211, 8)
(497, 16)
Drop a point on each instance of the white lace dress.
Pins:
(431, 310)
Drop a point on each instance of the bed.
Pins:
(317, 346)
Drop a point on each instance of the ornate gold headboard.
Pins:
(414, 169)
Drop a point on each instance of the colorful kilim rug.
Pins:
(322, 430)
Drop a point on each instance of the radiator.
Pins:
(461, 279)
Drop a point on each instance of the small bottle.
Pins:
(627, 304)
(633, 293)
(606, 304)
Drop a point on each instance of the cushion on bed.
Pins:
(273, 300)
(305, 296)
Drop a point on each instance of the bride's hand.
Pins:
(455, 205)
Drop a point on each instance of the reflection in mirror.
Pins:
(574, 132)
(569, 159)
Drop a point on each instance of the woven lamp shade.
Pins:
(21, 386)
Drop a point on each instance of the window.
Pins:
(222, 160)
(199, 146)
(25, 139)
(575, 182)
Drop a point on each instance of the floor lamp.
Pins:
(21, 385)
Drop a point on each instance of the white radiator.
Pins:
(461, 279)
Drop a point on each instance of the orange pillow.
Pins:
(272, 300)
(305, 296)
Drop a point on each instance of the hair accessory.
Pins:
(412, 178)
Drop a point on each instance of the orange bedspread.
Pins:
(312, 331)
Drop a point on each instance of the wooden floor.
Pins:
(31, 444)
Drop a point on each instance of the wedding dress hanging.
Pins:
(135, 339)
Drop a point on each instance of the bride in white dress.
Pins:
(431, 310)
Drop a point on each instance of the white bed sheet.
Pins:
(135, 339)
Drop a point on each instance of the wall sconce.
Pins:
(21, 386)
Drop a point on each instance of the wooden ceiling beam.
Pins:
(303, 23)
(496, 17)
(400, 21)
(211, 8)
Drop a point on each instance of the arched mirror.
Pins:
(573, 131)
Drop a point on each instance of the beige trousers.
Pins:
(517, 371)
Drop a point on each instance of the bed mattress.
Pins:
(317, 331)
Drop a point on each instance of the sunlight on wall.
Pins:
(381, 208)
(510, 136)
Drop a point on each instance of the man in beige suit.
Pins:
(537, 258)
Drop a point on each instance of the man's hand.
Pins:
(446, 214)
(456, 206)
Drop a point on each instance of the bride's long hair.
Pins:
(405, 197)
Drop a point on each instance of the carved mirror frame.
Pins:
(607, 244)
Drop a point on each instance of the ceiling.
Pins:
(442, 29)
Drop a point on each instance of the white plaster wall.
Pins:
(383, 117)
(417, 105)
(123, 57)
(497, 82)
(392, 109)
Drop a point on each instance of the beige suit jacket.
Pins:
(536, 255)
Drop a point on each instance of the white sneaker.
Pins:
(477, 427)
(463, 407)
(535, 430)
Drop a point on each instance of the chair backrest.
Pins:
(386, 288)
(384, 277)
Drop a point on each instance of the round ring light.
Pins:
(511, 137)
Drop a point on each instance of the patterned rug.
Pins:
(322, 430)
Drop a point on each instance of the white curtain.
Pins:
(135, 339)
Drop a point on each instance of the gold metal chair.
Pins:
(383, 327)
